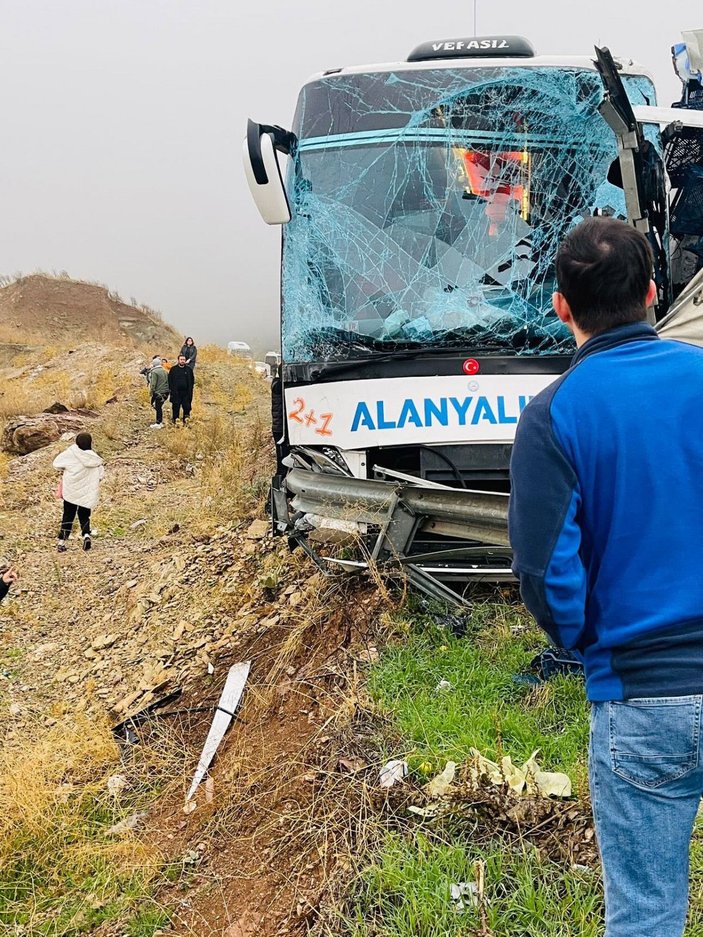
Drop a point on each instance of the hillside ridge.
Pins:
(40, 308)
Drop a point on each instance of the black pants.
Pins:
(69, 515)
(157, 402)
(178, 401)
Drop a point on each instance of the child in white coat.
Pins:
(79, 487)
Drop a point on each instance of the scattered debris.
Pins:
(426, 813)
(461, 890)
(127, 825)
(444, 686)
(124, 729)
(393, 772)
(209, 790)
(116, 783)
(529, 779)
(189, 806)
(552, 662)
(440, 784)
(226, 708)
(139, 523)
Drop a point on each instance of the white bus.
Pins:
(422, 205)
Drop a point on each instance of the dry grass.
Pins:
(61, 871)
(49, 377)
(227, 444)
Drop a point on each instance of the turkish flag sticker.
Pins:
(471, 366)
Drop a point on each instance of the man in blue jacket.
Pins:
(606, 523)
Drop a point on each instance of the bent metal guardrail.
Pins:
(468, 515)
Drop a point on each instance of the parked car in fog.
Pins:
(240, 349)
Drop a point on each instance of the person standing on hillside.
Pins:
(6, 579)
(146, 371)
(159, 388)
(180, 383)
(79, 487)
(606, 525)
(190, 352)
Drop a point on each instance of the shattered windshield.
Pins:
(428, 207)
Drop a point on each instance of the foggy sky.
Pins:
(122, 124)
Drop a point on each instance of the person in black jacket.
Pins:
(190, 352)
(180, 383)
(8, 577)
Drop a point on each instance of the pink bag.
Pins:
(58, 494)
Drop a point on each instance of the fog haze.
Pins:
(123, 120)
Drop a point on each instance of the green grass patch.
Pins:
(486, 707)
(405, 889)
(147, 921)
(407, 893)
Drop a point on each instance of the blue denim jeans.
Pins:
(646, 778)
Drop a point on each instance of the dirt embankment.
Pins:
(183, 580)
(39, 309)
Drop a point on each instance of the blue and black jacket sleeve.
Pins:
(543, 523)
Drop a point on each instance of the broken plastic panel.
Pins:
(428, 207)
(224, 713)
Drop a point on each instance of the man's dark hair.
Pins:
(603, 271)
(84, 441)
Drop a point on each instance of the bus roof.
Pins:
(538, 61)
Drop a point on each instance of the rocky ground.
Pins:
(184, 579)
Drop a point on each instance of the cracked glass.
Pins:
(427, 207)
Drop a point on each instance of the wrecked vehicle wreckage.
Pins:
(422, 208)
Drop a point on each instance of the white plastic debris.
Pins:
(116, 783)
(443, 686)
(464, 890)
(226, 708)
(210, 668)
(439, 785)
(528, 779)
(393, 772)
(427, 813)
(127, 825)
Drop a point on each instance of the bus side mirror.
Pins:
(263, 171)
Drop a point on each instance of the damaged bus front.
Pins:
(422, 209)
